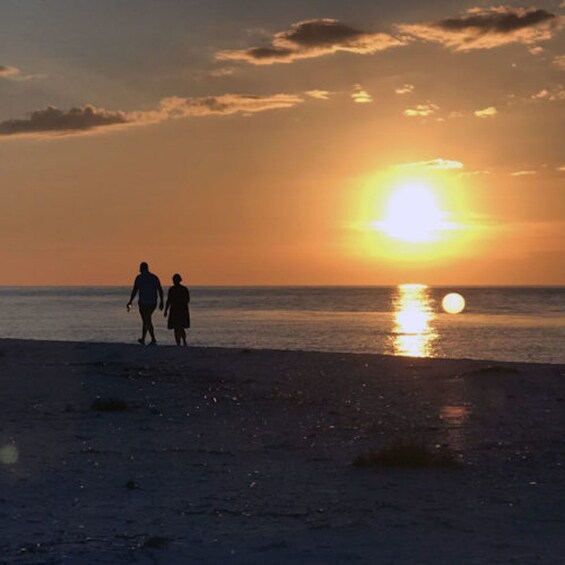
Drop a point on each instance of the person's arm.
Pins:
(160, 291)
(133, 293)
(168, 304)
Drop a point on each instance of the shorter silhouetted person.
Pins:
(148, 286)
(177, 309)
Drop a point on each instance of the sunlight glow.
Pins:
(413, 314)
(414, 216)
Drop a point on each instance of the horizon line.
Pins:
(442, 285)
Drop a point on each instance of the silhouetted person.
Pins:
(148, 286)
(178, 298)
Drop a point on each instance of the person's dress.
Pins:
(178, 299)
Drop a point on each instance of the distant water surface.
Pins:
(499, 323)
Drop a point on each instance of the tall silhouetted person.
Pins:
(178, 298)
(148, 286)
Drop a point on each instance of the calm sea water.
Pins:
(521, 324)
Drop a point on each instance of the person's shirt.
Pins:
(178, 296)
(148, 285)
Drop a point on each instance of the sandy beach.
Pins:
(245, 456)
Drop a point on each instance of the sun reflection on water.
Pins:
(413, 334)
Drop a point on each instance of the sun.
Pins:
(453, 303)
(413, 215)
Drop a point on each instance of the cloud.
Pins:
(313, 38)
(13, 73)
(54, 121)
(421, 110)
(489, 112)
(224, 105)
(9, 72)
(559, 61)
(522, 173)
(361, 96)
(404, 89)
(485, 28)
(553, 94)
(222, 72)
(88, 119)
(433, 164)
(477, 172)
(319, 94)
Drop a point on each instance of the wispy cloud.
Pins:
(222, 72)
(53, 121)
(421, 110)
(360, 95)
(544, 93)
(13, 73)
(404, 89)
(489, 112)
(433, 164)
(319, 94)
(551, 94)
(485, 28)
(559, 61)
(313, 38)
(523, 173)
(477, 172)
(224, 105)
(9, 72)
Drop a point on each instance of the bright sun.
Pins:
(413, 215)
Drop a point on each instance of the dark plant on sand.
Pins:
(407, 455)
(109, 405)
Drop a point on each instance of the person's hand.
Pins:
(161, 306)
(128, 306)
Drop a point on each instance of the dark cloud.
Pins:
(315, 33)
(486, 28)
(497, 22)
(312, 38)
(265, 53)
(55, 121)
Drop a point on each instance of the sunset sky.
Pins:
(282, 142)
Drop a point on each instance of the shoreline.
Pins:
(245, 456)
(212, 348)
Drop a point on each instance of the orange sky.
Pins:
(268, 149)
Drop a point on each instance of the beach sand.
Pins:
(245, 456)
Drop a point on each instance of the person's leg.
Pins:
(183, 336)
(150, 310)
(177, 335)
(146, 313)
(143, 324)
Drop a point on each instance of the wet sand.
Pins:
(245, 456)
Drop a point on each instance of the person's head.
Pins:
(177, 278)
(143, 267)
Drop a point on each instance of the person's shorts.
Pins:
(147, 310)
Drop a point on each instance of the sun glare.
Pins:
(414, 335)
(413, 215)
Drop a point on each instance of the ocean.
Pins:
(498, 323)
